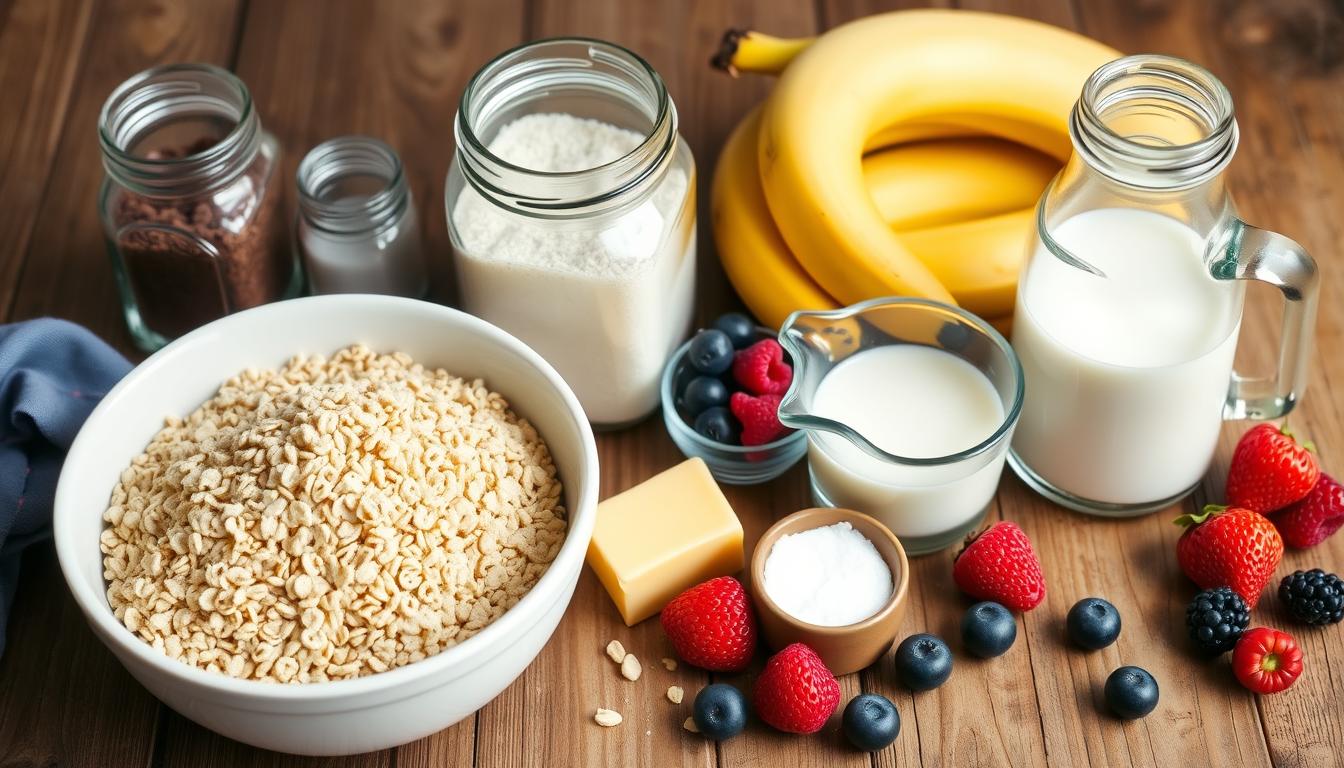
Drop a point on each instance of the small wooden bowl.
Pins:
(851, 647)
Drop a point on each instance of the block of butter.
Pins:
(663, 536)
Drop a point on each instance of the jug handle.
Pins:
(1251, 253)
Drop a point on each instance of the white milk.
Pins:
(916, 402)
(1126, 375)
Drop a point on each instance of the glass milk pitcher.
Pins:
(1130, 303)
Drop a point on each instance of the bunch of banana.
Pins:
(900, 154)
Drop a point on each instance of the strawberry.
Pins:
(1229, 546)
(1314, 519)
(711, 625)
(796, 693)
(999, 564)
(759, 417)
(761, 369)
(1270, 470)
(1267, 660)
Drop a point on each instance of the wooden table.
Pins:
(396, 70)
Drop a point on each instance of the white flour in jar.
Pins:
(604, 301)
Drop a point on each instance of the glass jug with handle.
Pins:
(1130, 302)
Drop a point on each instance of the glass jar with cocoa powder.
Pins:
(189, 202)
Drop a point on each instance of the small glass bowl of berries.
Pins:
(721, 393)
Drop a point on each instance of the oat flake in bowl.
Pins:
(332, 519)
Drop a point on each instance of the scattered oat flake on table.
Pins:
(669, 664)
(607, 718)
(616, 651)
(689, 725)
(630, 668)
(675, 693)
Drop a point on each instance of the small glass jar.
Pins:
(579, 236)
(188, 208)
(357, 229)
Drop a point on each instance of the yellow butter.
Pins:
(663, 536)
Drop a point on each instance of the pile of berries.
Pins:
(999, 567)
(1277, 495)
(730, 385)
(712, 626)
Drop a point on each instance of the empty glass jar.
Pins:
(358, 230)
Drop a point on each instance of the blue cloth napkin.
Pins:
(52, 374)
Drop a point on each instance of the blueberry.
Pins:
(740, 329)
(1131, 692)
(703, 393)
(1093, 623)
(720, 711)
(923, 662)
(955, 336)
(711, 352)
(871, 722)
(988, 629)
(718, 424)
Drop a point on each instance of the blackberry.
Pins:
(1313, 597)
(1216, 618)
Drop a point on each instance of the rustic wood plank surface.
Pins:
(63, 699)
(395, 70)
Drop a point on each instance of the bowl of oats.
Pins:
(330, 525)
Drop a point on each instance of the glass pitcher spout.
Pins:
(819, 341)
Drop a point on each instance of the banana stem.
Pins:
(743, 50)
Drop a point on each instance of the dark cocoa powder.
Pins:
(195, 259)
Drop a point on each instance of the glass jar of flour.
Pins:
(571, 206)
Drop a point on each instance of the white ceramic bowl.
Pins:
(346, 716)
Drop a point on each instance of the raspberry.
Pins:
(759, 417)
(1267, 660)
(796, 693)
(761, 369)
(711, 625)
(999, 564)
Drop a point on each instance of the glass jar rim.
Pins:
(572, 193)
(1151, 165)
(154, 95)
(342, 157)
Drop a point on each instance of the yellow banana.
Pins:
(754, 256)
(1017, 76)
(918, 185)
(750, 51)
(933, 183)
(979, 260)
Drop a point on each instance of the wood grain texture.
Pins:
(41, 47)
(66, 270)
(395, 70)
(64, 700)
